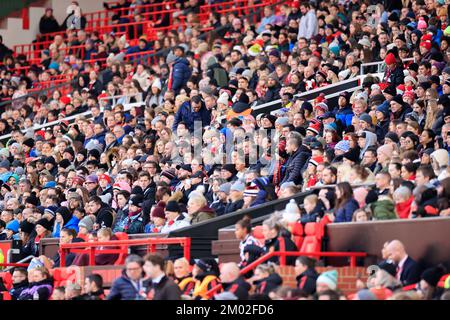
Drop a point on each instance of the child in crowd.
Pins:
(313, 209)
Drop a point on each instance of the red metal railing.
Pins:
(11, 264)
(91, 248)
(103, 16)
(282, 255)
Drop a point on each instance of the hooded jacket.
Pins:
(188, 116)
(345, 115)
(383, 209)
(203, 214)
(371, 140)
(180, 74)
(269, 284)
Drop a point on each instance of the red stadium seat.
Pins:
(7, 279)
(122, 256)
(296, 229)
(312, 242)
(6, 295)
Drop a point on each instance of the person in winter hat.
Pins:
(86, 225)
(327, 281)
(429, 280)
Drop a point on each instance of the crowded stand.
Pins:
(152, 117)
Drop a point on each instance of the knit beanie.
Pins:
(386, 149)
(87, 223)
(330, 278)
(342, 145)
(433, 275)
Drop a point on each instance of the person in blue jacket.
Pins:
(345, 204)
(192, 111)
(64, 219)
(344, 113)
(131, 285)
(181, 70)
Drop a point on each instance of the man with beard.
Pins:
(273, 89)
(296, 161)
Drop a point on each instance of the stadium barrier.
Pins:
(91, 248)
(284, 254)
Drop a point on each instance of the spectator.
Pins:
(308, 26)
(345, 205)
(40, 286)
(327, 281)
(19, 283)
(161, 287)
(48, 23)
(130, 286)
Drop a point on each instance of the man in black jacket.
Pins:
(296, 161)
(102, 211)
(149, 191)
(161, 287)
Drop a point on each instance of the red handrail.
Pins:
(151, 243)
(11, 264)
(254, 264)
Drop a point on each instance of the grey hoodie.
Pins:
(371, 140)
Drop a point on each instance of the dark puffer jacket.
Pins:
(180, 74)
(123, 289)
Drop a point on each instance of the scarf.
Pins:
(130, 216)
(403, 208)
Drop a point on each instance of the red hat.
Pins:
(409, 94)
(104, 176)
(401, 87)
(426, 37)
(320, 98)
(314, 127)
(390, 59)
(65, 100)
(295, 4)
(322, 106)
(158, 212)
(426, 44)
(315, 161)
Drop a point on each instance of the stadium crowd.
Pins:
(383, 149)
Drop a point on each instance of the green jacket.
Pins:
(383, 209)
